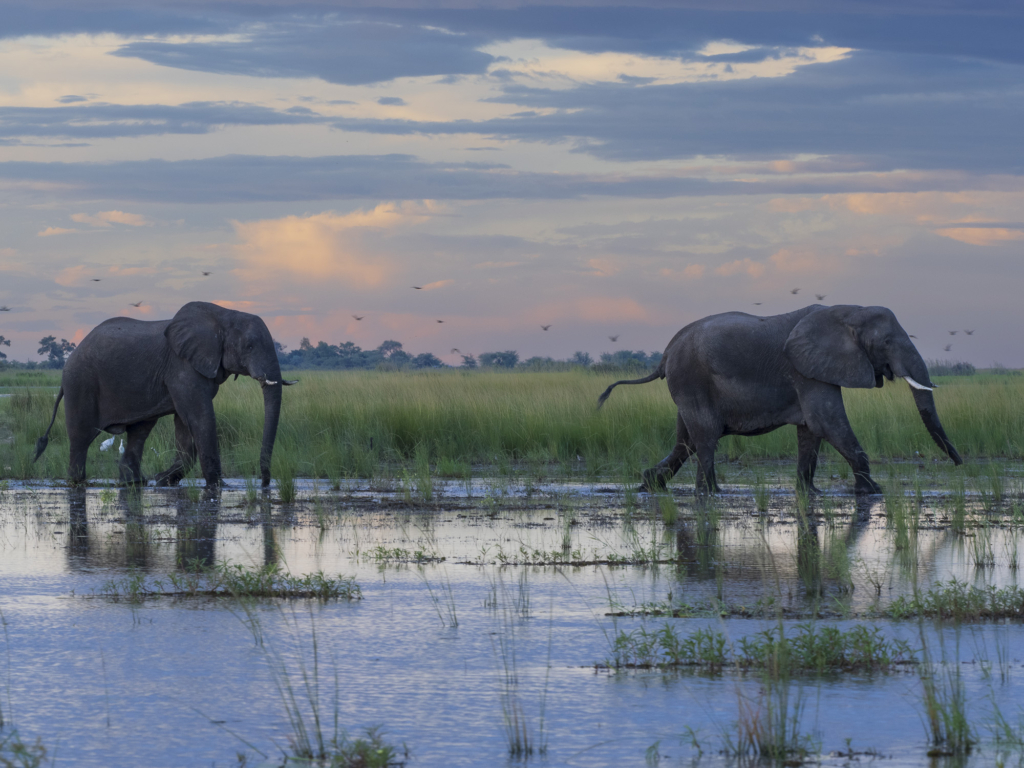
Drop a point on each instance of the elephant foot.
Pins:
(865, 486)
(655, 480)
(168, 478)
(809, 488)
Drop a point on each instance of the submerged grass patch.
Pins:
(227, 580)
(812, 648)
(960, 601)
(16, 753)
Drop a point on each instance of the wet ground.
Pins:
(482, 603)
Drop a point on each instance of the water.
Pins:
(176, 682)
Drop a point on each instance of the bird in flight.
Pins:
(418, 287)
(207, 274)
(440, 321)
(136, 304)
(952, 333)
(614, 338)
(913, 336)
(456, 351)
(545, 327)
(795, 291)
(5, 308)
(95, 279)
(358, 317)
(820, 296)
(757, 303)
(947, 347)
(969, 333)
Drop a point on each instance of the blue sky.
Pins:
(610, 171)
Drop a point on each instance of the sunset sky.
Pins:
(605, 170)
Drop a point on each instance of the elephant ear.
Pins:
(195, 335)
(823, 347)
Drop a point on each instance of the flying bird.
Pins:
(136, 304)
(947, 347)
(95, 279)
(207, 274)
(913, 336)
(952, 333)
(614, 338)
(969, 333)
(440, 321)
(5, 308)
(358, 317)
(418, 287)
(820, 296)
(757, 303)
(545, 327)
(456, 351)
(795, 291)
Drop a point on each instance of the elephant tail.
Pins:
(659, 373)
(42, 442)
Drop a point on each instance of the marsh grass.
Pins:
(959, 601)
(944, 702)
(16, 753)
(354, 424)
(443, 600)
(230, 580)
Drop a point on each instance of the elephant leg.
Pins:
(185, 455)
(807, 461)
(130, 469)
(839, 433)
(80, 437)
(656, 478)
(203, 425)
(704, 440)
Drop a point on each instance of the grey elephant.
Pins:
(128, 373)
(738, 374)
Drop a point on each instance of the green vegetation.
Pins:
(813, 648)
(15, 753)
(228, 580)
(959, 601)
(367, 423)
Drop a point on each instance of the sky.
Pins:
(608, 171)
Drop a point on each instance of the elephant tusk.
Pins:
(917, 384)
(269, 383)
(289, 383)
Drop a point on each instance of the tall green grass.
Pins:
(361, 424)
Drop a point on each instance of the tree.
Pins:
(4, 343)
(506, 359)
(427, 360)
(388, 348)
(57, 351)
(581, 358)
(468, 362)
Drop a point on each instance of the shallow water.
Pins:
(173, 682)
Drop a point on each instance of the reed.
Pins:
(367, 423)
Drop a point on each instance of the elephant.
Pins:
(739, 374)
(127, 373)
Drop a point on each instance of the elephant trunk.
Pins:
(271, 414)
(909, 365)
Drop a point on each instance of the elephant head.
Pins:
(218, 342)
(852, 346)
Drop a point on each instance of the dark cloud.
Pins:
(391, 101)
(351, 52)
(71, 99)
(115, 120)
(257, 179)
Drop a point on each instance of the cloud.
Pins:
(51, 231)
(436, 284)
(319, 247)
(391, 101)
(73, 275)
(748, 266)
(106, 218)
(981, 235)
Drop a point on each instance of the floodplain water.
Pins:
(488, 617)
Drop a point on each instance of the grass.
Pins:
(353, 424)
(958, 601)
(227, 580)
(15, 753)
(812, 648)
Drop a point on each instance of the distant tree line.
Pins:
(55, 352)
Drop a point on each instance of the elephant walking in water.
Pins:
(128, 373)
(738, 374)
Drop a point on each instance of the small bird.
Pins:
(757, 303)
(105, 445)
(5, 308)
(614, 338)
(95, 279)
(440, 321)
(544, 327)
(952, 333)
(795, 291)
(969, 333)
(207, 274)
(120, 447)
(357, 317)
(136, 304)
(913, 336)
(947, 348)
(418, 287)
(456, 351)
(820, 296)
